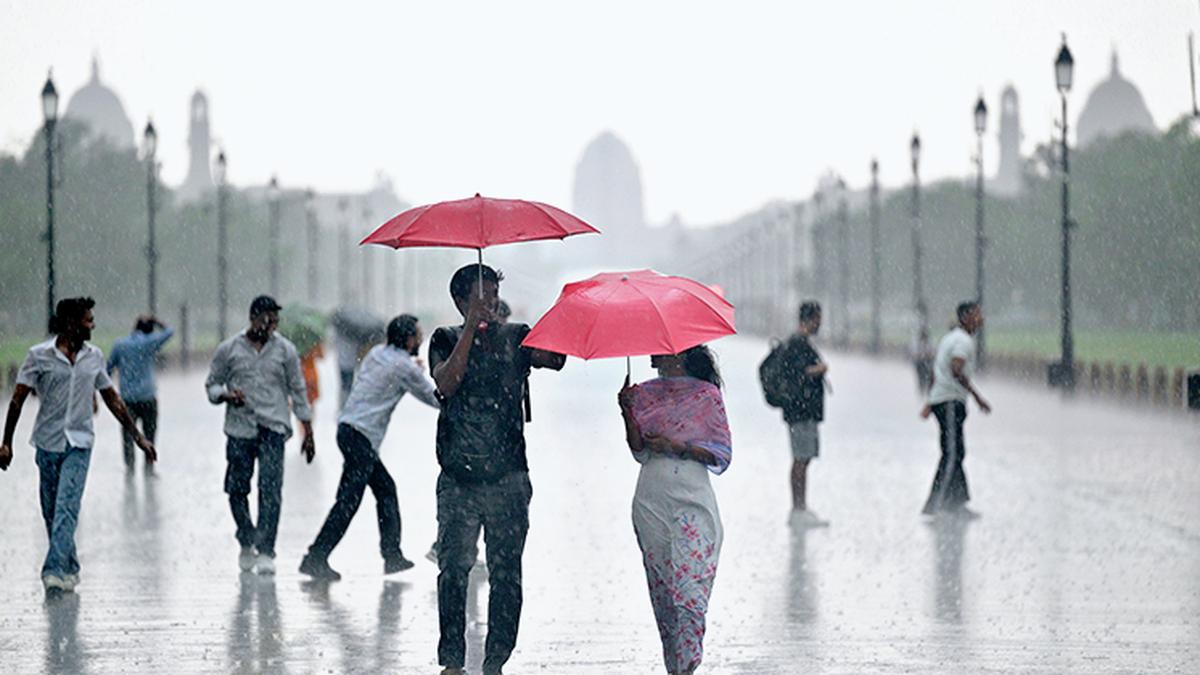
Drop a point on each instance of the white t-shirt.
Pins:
(957, 344)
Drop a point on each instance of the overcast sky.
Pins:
(725, 105)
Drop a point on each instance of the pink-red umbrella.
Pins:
(632, 314)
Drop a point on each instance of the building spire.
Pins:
(1115, 69)
(95, 68)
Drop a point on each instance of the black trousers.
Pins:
(241, 454)
(502, 510)
(147, 413)
(361, 468)
(950, 482)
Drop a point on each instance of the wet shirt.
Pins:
(65, 393)
(268, 378)
(386, 374)
(481, 429)
(957, 344)
(133, 355)
(806, 403)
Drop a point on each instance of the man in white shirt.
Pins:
(387, 372)
(65, 371)
(952, 370)
(256, 374)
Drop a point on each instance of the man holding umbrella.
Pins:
(480, 370)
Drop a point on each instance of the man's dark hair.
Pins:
(809, 310)
(263, 304)
(400, 329)
(68, 312)
(965, 308)
(465, 277)
(144, 325)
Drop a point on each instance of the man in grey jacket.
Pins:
(256, 374)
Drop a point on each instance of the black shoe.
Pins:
(397, 563)
(318, 569)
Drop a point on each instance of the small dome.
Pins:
(98, 107)
(1114, 106)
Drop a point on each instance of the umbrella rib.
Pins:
(551, 218)
(596, 318)
(658, 313)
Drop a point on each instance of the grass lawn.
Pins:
(1171, 350)
(12, 350)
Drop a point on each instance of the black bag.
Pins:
(772, 375)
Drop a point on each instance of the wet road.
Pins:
(1086, 559)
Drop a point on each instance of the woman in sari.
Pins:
(676, 428)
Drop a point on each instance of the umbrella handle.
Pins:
(628, 369)
(480, 268)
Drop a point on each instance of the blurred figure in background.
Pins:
(921, 354)
(133, 358)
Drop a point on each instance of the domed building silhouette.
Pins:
(608, 186)
(1113, 107)
(101, 110)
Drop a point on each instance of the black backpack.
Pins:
(773, 376)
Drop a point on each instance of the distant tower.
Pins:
(1008, 174)
(199, 176)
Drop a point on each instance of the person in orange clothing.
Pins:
(308, 367)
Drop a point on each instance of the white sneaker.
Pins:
(53, 582)
(246, 559)
(265, 564)
(804, 519)
(71, 581)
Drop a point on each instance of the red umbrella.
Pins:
(632, 314)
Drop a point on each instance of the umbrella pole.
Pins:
(628, 369)
(480, 268)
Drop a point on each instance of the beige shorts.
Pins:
(806, 440)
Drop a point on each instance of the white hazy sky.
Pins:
(725, 105)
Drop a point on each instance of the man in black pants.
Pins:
(480, 369)
(387, 372)
(952, 371)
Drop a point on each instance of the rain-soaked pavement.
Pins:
(1086, 559)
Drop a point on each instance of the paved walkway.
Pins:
(1086, 559)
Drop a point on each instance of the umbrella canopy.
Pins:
(478, 222)
(359, 324)
(303, 325)
(632, 314)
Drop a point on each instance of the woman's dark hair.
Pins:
(699, 362)
(465, 277)
(400, 329)
(69, 312)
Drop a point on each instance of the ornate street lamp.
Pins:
(50, 117)
(914, 148)
(1063, 373)
(980, 241)
(273, 236)
(220, 173)
(150, 144)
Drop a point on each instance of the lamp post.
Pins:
(222, 246)
(150, 138)
(50, 116)
(980, 241)
(343, 250)
(273, 236)
(875, 262)
(1064, 67)
(918, 287)
(310, 215)
(843, 265)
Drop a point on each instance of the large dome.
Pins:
(608, 186)
(98, 107)
(1114, 107)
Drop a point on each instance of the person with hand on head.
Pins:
(677, 430)
(64, 372)
(480, 369)
(387, 373)
(133, 358)
(953, 368)
(256, 376)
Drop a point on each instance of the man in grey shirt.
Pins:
(387, 373)
(256, 374)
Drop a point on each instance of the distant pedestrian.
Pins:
(921, 354)
(386, 374)
(65, 372)
(133, 358)
(793, 379)
(677, 429)
(952, 371)
(480, 369)
(256, 375)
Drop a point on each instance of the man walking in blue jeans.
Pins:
(65, 372)
(256, 374)
(133, 357)
(480, 369)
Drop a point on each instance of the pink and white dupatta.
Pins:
(687, 410)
